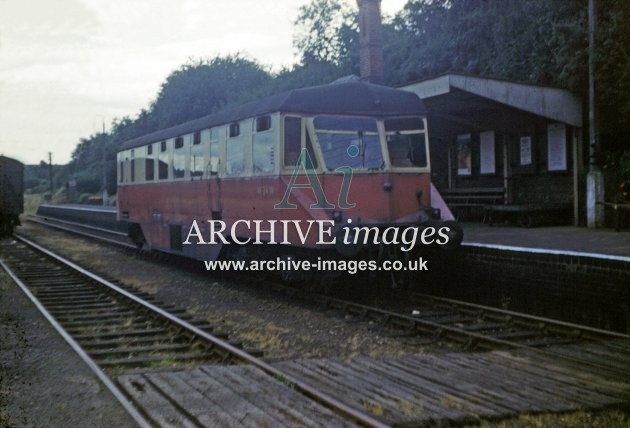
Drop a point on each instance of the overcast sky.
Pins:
(67, 66)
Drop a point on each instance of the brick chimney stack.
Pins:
(371, 40)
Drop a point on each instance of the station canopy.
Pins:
(488, 102)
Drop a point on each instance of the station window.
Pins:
(163, 146)
(197, 138)
(235, 130)
(179, 142)
(263, 123)
(150, 149)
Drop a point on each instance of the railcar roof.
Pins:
(347, 98)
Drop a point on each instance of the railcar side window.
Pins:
(292, 140)
(163, 162)
(214, 151)
(197, 154)
(235, 158)
(133, 166)
(309, 148)
(235, 130)
(406, 142)
(149, 168)
(352, 142)
(125, 167)
(179, 158)
(263, 146)
(263, 123)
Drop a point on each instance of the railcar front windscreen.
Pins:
(349, 142)
(406, 142)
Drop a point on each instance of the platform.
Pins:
(556, 238)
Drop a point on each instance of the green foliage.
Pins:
(197, 88)
(325, 32)
(539, 42)
(613, 73)
(202, 87)
(523, 40)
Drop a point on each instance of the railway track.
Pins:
(472, 326)
(585, 360)
(104, 235)
(118, 333)
(481, 328)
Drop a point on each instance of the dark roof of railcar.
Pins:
(348, 98)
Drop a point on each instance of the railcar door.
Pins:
(214, 188)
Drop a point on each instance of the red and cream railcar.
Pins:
(364, 146)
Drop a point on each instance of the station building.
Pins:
(505, 150)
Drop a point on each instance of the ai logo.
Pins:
(304, 162)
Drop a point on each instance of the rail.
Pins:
(191, 329)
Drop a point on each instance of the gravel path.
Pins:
(43, 383)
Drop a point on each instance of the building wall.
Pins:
(526, 164)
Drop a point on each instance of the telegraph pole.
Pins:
(105, 196)
(595, 177)
(50, 173)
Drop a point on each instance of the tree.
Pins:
(543, 43)
(326, 32)
(202, 87)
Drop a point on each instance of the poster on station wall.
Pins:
(464, 161)
(526, 150)
(487, 163)
(556, 147)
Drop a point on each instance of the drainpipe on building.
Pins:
(595, 177)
